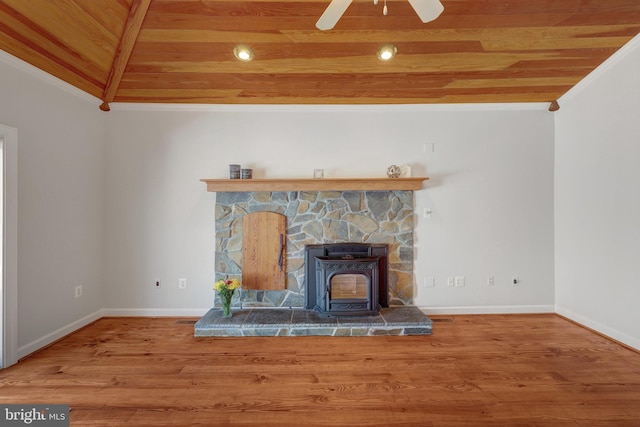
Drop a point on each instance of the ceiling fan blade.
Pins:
(332, 14)
(427, 10)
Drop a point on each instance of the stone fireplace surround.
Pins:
(314, 217)
(318, 217)
(349, 214)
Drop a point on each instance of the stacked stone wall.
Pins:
(315, 217)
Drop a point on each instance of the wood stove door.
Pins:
(264, 251)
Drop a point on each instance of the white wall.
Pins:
(597, 200)
(491, 194)
(492, 202)
(60, 202)
(9, 232)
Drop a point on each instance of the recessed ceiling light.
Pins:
(243, 52)
(387, 52)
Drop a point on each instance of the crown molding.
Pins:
(324, 108)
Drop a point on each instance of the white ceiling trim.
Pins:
(305, 108)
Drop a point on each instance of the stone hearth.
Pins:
(298, 322)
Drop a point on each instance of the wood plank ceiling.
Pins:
(181, 51)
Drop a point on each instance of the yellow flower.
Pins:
(224, 285)
(235, 284)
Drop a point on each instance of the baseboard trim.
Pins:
(496, 309)
(154, 312)
(56, 335)
(599, 328)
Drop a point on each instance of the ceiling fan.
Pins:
(427, 11)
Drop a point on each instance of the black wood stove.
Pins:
(346, 279)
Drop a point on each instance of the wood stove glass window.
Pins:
(349, 286)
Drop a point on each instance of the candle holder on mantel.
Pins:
(234, 171)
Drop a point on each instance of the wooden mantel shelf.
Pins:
(325, 184)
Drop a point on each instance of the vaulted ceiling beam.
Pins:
(130, 34)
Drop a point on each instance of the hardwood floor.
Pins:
(498, 370)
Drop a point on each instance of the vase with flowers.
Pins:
(226, 288)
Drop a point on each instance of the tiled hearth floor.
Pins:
(406, 320)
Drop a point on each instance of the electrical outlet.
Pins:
(182, 283)
(491, 280)
(515, 281)
(429, 282)
(156, 283)
(450, 281)
(459, 281)
(78, 291)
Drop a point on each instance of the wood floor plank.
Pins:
(518, 370)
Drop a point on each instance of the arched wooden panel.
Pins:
(264, 251)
